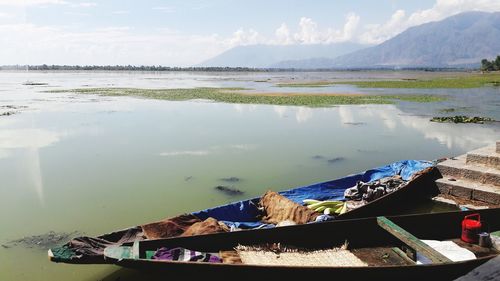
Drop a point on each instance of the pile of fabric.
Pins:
(185, 255)
(373, 190)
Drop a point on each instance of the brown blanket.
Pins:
(207, 226)
(169, 227)
(278, 208)
(183, 225)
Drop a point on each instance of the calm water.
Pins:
(93, 164)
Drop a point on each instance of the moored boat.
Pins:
(411, 247)
(418, 184)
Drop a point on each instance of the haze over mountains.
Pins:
(457, 41)
(262, 56)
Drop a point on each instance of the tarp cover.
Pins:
(243, 214)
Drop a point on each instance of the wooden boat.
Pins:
(386, 245)
(243, 214)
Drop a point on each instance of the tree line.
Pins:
(493, 65)
(45, 67)
(125, 68)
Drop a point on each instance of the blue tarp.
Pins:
(243, 214)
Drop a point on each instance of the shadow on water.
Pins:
(124, 274)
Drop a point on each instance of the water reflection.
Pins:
(233, 148)
(463, 136)
(303, 114)
(280, 110)
(34, 173)
(345, 114)
(29, 141)
(454, 136)
(26, 138)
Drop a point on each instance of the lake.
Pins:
(88, 164)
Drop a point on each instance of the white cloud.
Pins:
(347, 33)
(377, 33)
(283, 36)
(445, 8)
(121, 12)
(309, 33)
(6, 16)
(24, 3)
(165, 9)
(245, 37)
(31, 44)
(84, 5)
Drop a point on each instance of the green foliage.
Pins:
(493, 65)
(236, 95)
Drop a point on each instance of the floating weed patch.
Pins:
(42, 241)
(229, 190)
(316, 84)
(231, 179)
(236, 95)
(453, 109)
(458, 82)
(462, 119)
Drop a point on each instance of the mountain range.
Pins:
(457, 41)
(264, 56)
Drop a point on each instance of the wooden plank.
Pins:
(403, 255)
(412, 241)
(135, 250)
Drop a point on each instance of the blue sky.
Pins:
(187, 32)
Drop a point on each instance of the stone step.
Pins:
(486, 156)
(458, 169)
(469, 190)
(498, 146)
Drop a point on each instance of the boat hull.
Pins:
(360, 233)
(184, 271)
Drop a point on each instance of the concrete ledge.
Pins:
(458, 169)
(470, 190)
(451, 188)
(486, 156)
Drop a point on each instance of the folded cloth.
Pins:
(277, 208)
(182, 254)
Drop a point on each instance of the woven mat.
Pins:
(331, 257)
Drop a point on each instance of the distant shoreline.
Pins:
(217, 69)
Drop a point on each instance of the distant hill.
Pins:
(458, 41)
(264, 56)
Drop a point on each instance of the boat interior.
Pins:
(377, 241)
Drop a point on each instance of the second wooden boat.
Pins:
(414, 247)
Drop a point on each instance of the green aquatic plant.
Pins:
(462, 119)
(465, 81)
(455, 109)
(238, 95)
(313, 84)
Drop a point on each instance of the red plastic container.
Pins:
(471, 227)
